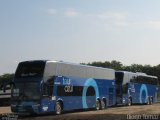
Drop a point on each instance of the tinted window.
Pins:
(119, 78)
(30, 69)
(90, 91)
(74, 91)
(48, 87)
(146, 80)
(69, 90)
(125, 88)
(26, 91)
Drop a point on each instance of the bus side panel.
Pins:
(141, 92)
(107, 90)
(134, 92)
(152, 92)
(81, 93)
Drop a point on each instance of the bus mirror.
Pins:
(12, 85)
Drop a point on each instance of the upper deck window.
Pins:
(146, 80)
(30, 69)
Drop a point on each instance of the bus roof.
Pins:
(78, 64)
(72, 69)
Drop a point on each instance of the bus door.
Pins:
(47, 96)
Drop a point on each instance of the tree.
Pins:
(5, 79)
(113, 64)
(134, 68)
(116, 65)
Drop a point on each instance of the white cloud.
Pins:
(71, 12)
(52, 11)
(148, 24)
(114, 18)
(112, 15)
(153, 24)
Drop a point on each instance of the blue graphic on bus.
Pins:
(89, 82)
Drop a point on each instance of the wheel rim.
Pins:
(103, 105)
(151, 100)
(129, 102)
(148, 102)
(97, 105)
(58, 109)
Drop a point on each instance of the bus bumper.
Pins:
(31, 109)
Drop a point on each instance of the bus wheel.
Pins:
(129, 101)
(98, 105)
(103, 104)
(58, 108)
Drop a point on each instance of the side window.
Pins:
(90, 91)
(133, 79)
(125, 88)
(45, 90)
(48, 87)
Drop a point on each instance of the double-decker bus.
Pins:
(52, 86)
(138, 88)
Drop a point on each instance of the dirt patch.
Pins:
(114, 113)
(5, 110)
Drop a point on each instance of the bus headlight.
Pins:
(53, 97)
(13, 105)
(124, 100)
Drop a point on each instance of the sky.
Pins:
(79, 31)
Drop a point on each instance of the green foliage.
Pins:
(6, 78)
(113, 64)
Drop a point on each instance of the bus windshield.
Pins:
(26, 91)
(30, 69)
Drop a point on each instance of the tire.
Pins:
(98, 105)
(103, 104)
(58, 108)
(129, 101)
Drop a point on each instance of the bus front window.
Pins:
(27, 80)
(26, 91)
(30, 69)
